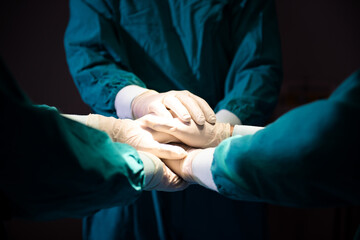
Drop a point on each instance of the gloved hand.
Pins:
(192, 134)
(184, 104)
(195, 167)
(130, 132)
(183, 167)
(158, 176)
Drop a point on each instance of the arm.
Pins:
(96, 56)
(308, 157)
(98, 62)
(53, 167)
(253, 82)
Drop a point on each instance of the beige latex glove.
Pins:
(130, 132)
(192, 134)
(184, 104)
(183, 167)
(158, 176)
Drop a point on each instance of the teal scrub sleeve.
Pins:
(253, 82)
(308, 157)
(96, 56)
(52, 167)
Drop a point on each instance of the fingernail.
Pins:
(212, 119)
(186, 117)
(201, 120)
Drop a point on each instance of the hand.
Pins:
(158, 176)
(173, 130)
(130, 132)
(184, 104)
(183, 167)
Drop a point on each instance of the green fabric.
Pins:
(225, 52)
(52, 167)
(308, 157)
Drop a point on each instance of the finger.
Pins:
(177, 107)
(193, 107)
(167, 151)
(171, 182)
(175, 182)
(160, 110)
(206, 109)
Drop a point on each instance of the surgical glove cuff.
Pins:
(222, 132)
(138, 106)
(106, 124)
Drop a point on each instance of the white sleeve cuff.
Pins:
(243, 130)
(124, 98)
(79, 118)
(153, 171)
(201, 168)
(225, 116)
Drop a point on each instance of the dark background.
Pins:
(321, 47)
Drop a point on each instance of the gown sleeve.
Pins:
(308, 157)
(96, 55)
(52, 167)
(253, 82)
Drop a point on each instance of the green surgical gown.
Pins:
(309, 157)
(227, 52)
(52, 167)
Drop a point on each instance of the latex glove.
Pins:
(184, 104)
(130, 132)
(192, 134)
(183, 167)
(195, 167)
(158, 176)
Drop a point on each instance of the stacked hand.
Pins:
(184, 104)
(163, 118)
(194, 135)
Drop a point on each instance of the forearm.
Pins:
(295, 161)
(201, 164)
(254, 78)
(76, 170)
(98, 72)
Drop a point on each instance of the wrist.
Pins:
(153, 171)
(137, 105)
(124, 99)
